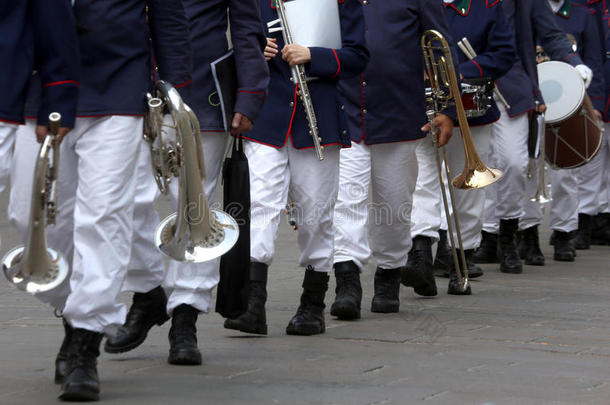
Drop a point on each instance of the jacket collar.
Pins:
(462, 7)
(565, 10)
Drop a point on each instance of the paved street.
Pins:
(542, 337)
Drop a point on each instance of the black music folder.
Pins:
(225, 79)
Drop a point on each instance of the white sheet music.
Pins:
(314, 22)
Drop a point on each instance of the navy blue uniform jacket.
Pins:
(579, 21)
(38, 35)
(283, 115)
(116, 65)
(532, 20)
(208, 26)
(487, 30)
(387, 103)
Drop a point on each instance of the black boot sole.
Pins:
(305, 330)
(511, 270)
(385, 308)
(563, 258)
(534, 262)
(456, 291)
(345, 312)
(185, 359)
(258, 329)
(81, 394)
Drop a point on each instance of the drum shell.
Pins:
(575, 140)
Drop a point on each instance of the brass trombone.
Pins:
(35, 267)
(195, 233)
(444, 90)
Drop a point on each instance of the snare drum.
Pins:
(573, 133)
(477, 96)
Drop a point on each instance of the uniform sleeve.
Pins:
(57, 59)
(550, 36)
(592, 58)
(351, 59)
(248, 37)
(500, 52)
(171, 44)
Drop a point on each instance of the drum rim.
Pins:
(583, 92)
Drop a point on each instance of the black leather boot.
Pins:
(583, 235)
(148, 309)
(254, 320)
(183, 337)
(387, 289)
(453, 287)
(82, 383)
(61, 361)
(348, 292)
(529, 247)
(487, 252)
(600, 232)
(309, 319)
(564, 248)
(442, 259)
(511, 263)
(474, 271)
(419, 272)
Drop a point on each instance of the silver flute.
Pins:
(298, 76)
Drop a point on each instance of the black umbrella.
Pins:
(231, 298)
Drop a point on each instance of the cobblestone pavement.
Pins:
(537, 338)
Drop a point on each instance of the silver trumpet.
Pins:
(195, 233)
(35, 267)
(298, 76)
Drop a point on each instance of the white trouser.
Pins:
(7, 139)
(186, 283)
(508, 152)
(469, 203)
(590, 180)
(277, 175)
(428, 215)
(564, 206)
(95, 203)
(392, 169)
(604, 197)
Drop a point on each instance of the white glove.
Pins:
(586, 73)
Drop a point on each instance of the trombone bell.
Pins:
(475, 178)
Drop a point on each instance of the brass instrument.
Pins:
(444, 90)
(298, 77)
(542, 195)
(195, 233)
(35, 267)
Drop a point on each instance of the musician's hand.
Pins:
(296, 54)
(541, 108)
(444, 128)
(43, 130)
(271, 49)
(598, 114)
(240, 124)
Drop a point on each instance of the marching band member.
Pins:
(487, 29)
(282, 162)
(190, 285)
(43, 30)
(97, 173)
(384, 121)
(530, 20)
(578, 21)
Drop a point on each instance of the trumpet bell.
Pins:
(55, 265)
(474, 178)
(223, 235)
